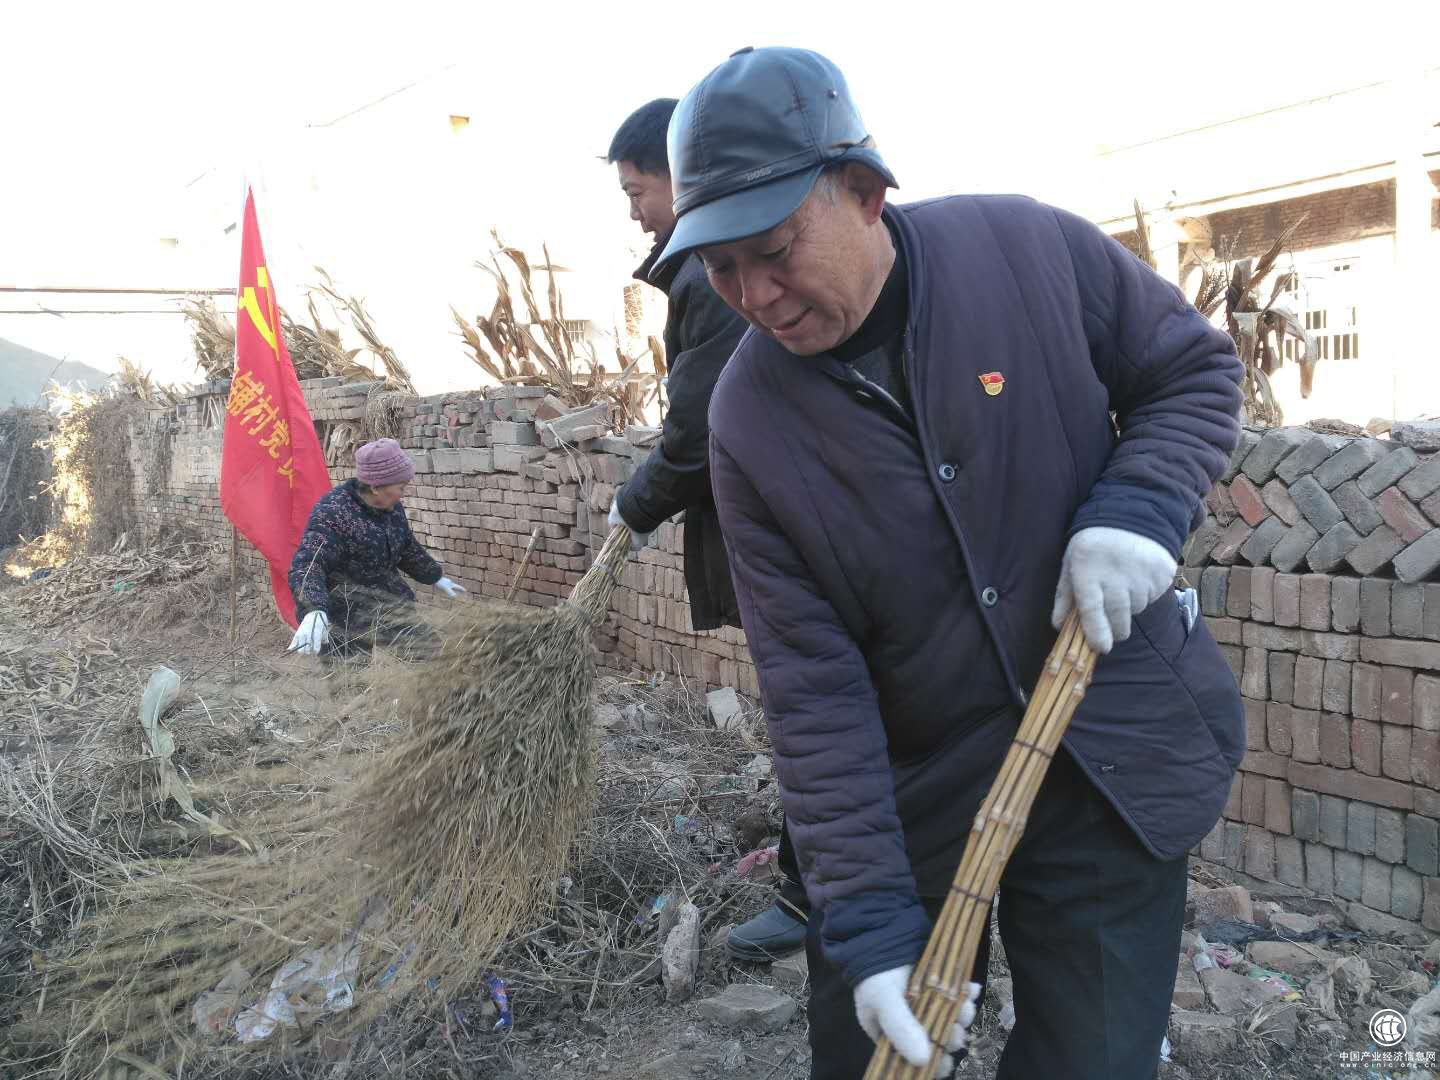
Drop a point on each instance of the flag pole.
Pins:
(234, 542)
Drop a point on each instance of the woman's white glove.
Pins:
(313, 634)
(637, 539)
(449, 588)
(880, 1006)
(1111, 575)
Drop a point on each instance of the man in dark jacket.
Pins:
(345, 575)
(701, 331)
(950, 423)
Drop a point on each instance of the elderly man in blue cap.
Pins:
(951, 423)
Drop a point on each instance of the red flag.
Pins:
(272, 470)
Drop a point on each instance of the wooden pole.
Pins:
(937, 985)
(234, 542)
(524, 561)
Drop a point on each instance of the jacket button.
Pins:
(989, 597)
(947, 472)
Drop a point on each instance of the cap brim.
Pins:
(734, 217)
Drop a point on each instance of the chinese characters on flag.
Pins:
(272, 470)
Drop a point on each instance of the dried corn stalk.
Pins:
(519, 342)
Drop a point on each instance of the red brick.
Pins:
(1365, 691)
(1277, 727)
(1248, 502)
(1305, 736)
(1426, 702)
(1365, 746)
(1237, 595)
(1335, 740)
(1401, 653)
(1225, 631)
(1253, 800)
(1277, 497)
(1431, 506)
(1424, 756)
(1265, 764)
(1262, 594)
(1234, 804)
(1220, 504)
(1315, 602)
(1277, 807)
(1254, 724)
(1309, 681)
(1255, 682)
(1396, 691)
(1227, 549)
(1402, 515)
(1430, 914)
(1395, 755)
(1349, 784)
(1287, 600)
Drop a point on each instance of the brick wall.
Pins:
(1316, 563)
(1316, 567)
(486, 476)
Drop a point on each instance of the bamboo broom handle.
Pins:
(937, 986)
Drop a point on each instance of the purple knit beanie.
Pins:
(382, 462)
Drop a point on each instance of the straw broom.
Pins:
(937, 985)
(424, 863)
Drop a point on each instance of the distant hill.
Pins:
(24, 373)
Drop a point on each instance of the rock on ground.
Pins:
(1235, 995)
(1231, 902)
(756, 1007)
(1189, 994)
(1199, 1034)
(791, 971)
(1299, 960)
(724, 708)
(1288, 923)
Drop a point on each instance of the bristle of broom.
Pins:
(438, 849)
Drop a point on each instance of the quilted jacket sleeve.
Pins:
(314, 561)
(416, 561)
(829, 742)
(1174, 383)
(676, 475)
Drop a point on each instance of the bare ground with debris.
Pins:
(680, 802)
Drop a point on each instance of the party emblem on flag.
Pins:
(993, 382)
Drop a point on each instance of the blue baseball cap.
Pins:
(749, 140)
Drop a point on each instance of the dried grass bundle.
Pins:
(423, 862)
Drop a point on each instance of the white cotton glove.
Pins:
(880, 1006)
(314, 632)
(637, 539)
(449, 588)
(1111, 575)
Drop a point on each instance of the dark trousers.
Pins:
(1091, 925)
(791, 888)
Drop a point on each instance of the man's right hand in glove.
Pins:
(313, 634)
(637, 539)
(881, 1008)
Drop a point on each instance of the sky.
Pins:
(115, 113)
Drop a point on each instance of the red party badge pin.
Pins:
(993, 382)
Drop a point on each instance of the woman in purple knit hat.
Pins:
(345, 576)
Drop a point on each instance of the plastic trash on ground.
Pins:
(501, 996)
(761, 864)
(214, 1009)
(316, 981)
